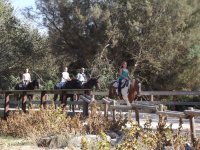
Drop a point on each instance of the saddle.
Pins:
(124, 83)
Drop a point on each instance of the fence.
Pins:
(159, 109)
(42, 94)
(165, 93)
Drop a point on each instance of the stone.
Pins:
(50, 142)
(92, 140)
(113, 135)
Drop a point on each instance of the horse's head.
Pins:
(92, 82)
(36, 83)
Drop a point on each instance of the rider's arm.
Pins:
(84, 76)
(23, 77)
(78, 76)
(29, 77)
(120, 72)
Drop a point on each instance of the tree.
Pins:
(157, 38)
(20, 47)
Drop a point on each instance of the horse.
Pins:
(76, 84)
(35, 84)
(92, 82)
(129, 90)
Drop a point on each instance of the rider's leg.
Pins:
(119, 87)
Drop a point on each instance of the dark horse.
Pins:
(129, 90)
(76, 84)
(30, 86)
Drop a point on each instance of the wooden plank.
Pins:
(137, 102)
(121, 107)
(37, 102)
(171, 114)
(144, 107)
(85, 99)
(169, 93)
(192, 112)
(100, 93)
(57, 91)
(167, 103)
(107, 101)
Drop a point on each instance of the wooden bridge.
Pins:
(112, 106)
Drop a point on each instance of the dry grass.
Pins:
(51, 122)
(37, 124)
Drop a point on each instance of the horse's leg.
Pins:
(125, 96)
(54, 99)
(18, 100)
(71, 99)
(70, 106)
(77, 98)
(30, 98)
(64, 102)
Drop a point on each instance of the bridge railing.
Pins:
(42, 93)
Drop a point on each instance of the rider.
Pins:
(26, 78)
(65, 77)
(81, 76)
(123, 74)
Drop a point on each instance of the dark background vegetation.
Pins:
(159, 39)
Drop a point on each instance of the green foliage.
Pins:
(104, 144)
(155, 37)
(145, 138)
(159, 40)
(10, 82)
(48, 85)
(84, 145)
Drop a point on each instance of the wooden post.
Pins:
(137, 117)
(93, 96)
(85, 108)
(42, 103)
(106, 110)
(114, 111)
(161, 118)
(152, 98)
(192, 127)
(24, 97)
(6, 105)
(140, 88)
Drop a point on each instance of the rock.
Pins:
(168, 148)
(58, 141)
(50, 142)
(113, 135)
(92, 140)
(188, 147)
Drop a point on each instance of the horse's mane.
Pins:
(91, 82)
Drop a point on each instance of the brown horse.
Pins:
(129, 90)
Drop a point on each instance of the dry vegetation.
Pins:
(37, 124)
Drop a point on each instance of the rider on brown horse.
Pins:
(123, 75)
